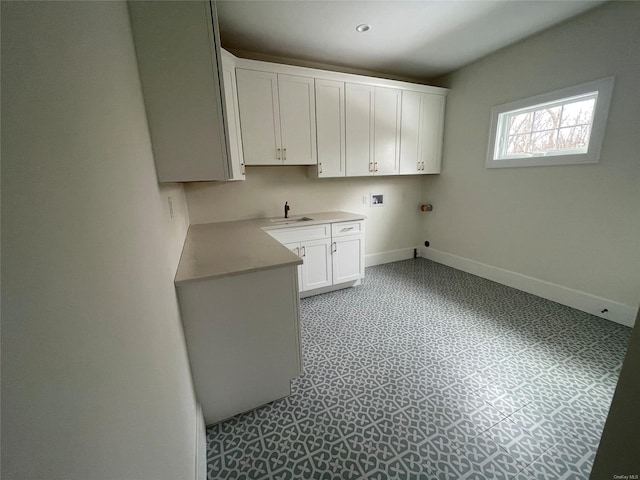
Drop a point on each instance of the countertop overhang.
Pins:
(214, 250)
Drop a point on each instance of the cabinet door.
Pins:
(386, 130)
(316, 270)
(259, 117)
(297, 120)
(233, 119)
(330, 128)
(348, 258)
(295, 248)
(359, 129)
(431, 128)
(411, 133)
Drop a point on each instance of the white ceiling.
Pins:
(412, 39)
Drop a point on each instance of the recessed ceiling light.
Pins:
(363, 27)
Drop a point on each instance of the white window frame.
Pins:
(603, 88)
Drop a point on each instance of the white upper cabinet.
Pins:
(359, 129)
(277, 118)
(373, 117)
(236, 156)
(340, 124)
(421, 132)
(432, 129)
(259, 117)
(297, 119)
(330, 127)
(410, 138)
(178, 52)
(387, 102)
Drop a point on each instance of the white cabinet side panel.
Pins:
(242, 339)
(181, 89)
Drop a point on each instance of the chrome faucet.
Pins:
(286, 209)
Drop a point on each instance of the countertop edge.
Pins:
(187, 281)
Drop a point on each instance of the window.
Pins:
(562, 127)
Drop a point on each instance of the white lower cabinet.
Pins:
(347, 251)
(316, 269)
(243, 339)
(336, 259)
(315, 272)
(347, 264)
(295, 248)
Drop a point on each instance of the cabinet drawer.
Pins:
(346, 228)
(301, 234)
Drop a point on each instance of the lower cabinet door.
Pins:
(295, 248)
(316, 269)
(348, 259)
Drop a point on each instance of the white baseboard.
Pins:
(616, 312)
(388, 257)
(201, 445)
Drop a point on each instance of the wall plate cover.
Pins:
(377, 200)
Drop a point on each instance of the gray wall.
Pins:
(574, 226)
(95, 376)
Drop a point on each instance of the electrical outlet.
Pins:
(365, 199)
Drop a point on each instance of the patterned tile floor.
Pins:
(426, 372)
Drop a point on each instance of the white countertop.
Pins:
(230, 248)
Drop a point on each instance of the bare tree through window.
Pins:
(542, 129)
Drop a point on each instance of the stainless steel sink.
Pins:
(284, 221)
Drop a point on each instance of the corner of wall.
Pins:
(598, 306)
(571, 226)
